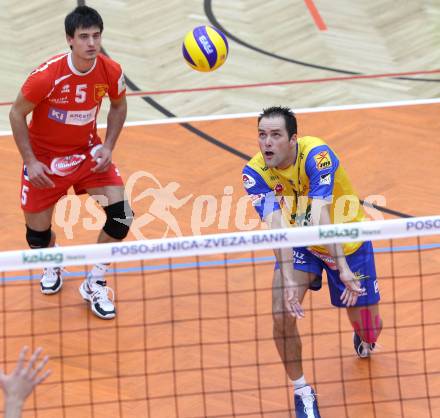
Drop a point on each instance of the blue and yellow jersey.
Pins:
(316, 173)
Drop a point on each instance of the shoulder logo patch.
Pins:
(322, 160)
(325, 179)
(100, 91)
(248, 181)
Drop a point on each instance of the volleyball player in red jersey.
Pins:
(61, 148)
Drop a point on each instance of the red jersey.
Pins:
(67, 103)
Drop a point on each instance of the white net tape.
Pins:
(219, 243)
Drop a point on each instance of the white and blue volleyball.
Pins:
(205, 48)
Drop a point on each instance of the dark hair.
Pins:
(82, 17)
(285, 112)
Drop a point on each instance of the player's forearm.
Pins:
(321, 216)
(337, 252)
(21, 136)
(115, 122)
(284, 257)
(13, 408)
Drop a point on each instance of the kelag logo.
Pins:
(34, 257)
(421, 225)
(336, 232)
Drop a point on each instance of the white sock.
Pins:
(97, 273)
(299, 383)
(52, 269)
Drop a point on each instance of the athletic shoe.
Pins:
(306, 405)
(363, 349)
(98, 296)
(51, 280)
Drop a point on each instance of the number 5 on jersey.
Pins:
(80, 94)
(24, 197)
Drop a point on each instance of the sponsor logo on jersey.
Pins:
(298, 257)
(325, 179)
(376, 287)
(100, 91)
(57, 115)
(121, 84)
(248, 181)
(279, 188)
(63, 166)
(59, 100)
(359, 276)
(65, 89)
(256, 199)
(327, 259)
(72, 117)
(322, 160)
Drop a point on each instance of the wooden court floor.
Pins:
(195, 342)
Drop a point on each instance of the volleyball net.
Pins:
(193, 331)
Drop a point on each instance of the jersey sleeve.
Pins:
(263, 197)
(117, 81)
(321, 165)
(37, 86)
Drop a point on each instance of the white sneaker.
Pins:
(98, 296)
(306, 405)
(51, 280)
(363, 349)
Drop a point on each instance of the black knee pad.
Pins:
(38, 239)
(119, 219)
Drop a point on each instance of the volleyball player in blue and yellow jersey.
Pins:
(297, 182)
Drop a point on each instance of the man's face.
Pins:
(277, 148)
(86, 43)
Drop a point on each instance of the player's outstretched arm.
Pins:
(321, 216)
(115, 121)
(17, 116)
(18, 385)
(284, 256)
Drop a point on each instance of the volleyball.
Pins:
(205, 48)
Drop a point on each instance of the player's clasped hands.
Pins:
(352, 289)
(37, 173)
(103, 158)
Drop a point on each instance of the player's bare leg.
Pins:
(285, 330)
(288, 343)
(119, 216)
(367, 325)
(39, 235)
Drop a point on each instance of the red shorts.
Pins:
(34, 199)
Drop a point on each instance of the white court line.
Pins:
(188, 119)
